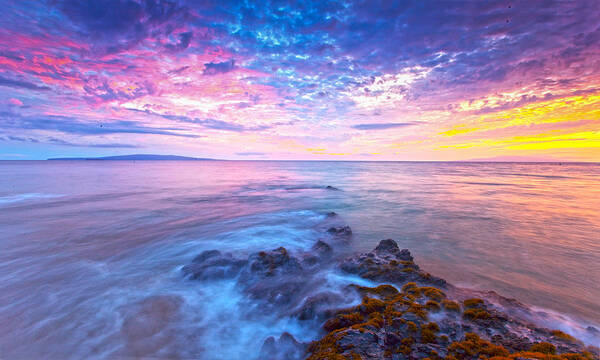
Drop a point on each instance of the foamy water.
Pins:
(91, 252)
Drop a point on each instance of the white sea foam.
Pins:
(24, 197)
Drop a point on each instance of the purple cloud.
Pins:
(383, 126)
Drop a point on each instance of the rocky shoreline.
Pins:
(404, 313)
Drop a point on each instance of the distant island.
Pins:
(136, 157)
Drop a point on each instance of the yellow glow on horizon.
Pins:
(563, 110)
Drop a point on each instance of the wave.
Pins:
(24, 197)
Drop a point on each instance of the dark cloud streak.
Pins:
(22, 84)
(70, 125)
(383, 126)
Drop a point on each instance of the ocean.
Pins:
(91, 252)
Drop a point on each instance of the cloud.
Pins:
(102, 89)
(213, 68)
(250, 153)
(15, 102)
(210, 123)
(70, 125)
(56, 141)
(19, 139)
(22, 84)
(315, 66)
(183, 43)
(383, 126)
(118, 25)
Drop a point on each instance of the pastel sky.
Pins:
(342, 80)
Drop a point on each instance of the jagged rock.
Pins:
(284, 348)
(366, 344)
(387, 263)
(319, 306)
(270, 264)
(390, 248)
(341, 231)
(212, 264)
(421, 322)
(321, 248)
(318, 252)
(276, 293)
(512, 341)
(410, 319)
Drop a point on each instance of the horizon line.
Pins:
(323, 160)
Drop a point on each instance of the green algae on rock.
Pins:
(419, 321)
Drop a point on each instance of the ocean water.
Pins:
(91, 251)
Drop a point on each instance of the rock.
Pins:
(212, 264)
(407, 316)
(331, 214)
(512, 341)
(366, 344)
(341, 231)
(319, 306)
(205, 255)
(321, 248)
(277, 293)
(390, 247)
(329, 187)
(387, 263)
(319, 252)
(592, 330)
(270, 264)
(284, 348)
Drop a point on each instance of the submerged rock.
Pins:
(212, 264)
(147, 326)
(319, 306)
(319, 252)
(284, 348)
(341, 231)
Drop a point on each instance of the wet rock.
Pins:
(387, 263)
(212, 264)
(319, 252)
(592, 330)
(365, 344)
(270, 264)
(319, 306)
(406, 325)
(321, 248)
(279, 293)
(329, 187)
(512, 342)
(205, 255)
(331, 214)
(408, 316)
(274, 277)
(284, 348)
(389, 247)
(340, 231)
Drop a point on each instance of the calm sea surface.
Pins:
(88, 248)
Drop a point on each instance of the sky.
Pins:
(317, 80)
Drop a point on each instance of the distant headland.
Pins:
(136, 157)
